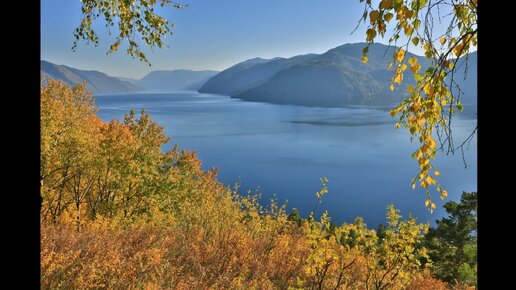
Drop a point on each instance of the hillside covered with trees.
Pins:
(119, 213)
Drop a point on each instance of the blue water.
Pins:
(284, 150)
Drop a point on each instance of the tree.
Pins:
(453, 244)
(134, 20)
(427, 112)
(295, 217)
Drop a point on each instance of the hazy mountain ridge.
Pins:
(99, 82)
(335, 78)
(248, 74)
(167, 80)
(96, 81)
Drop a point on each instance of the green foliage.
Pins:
(134, 20)
(453, 244)
(428, 110)
(295, 217)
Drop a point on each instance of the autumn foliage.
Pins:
(119, 213)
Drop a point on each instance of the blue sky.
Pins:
(209, 34)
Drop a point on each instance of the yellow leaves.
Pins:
(373, 16)
(415, 68)
(388, 17)
(398, 78)
(408, 30)
(458, 49)
(436, 173)
(365, 59)
(386, 4)
(442, 40)
(393, 112)
(418, 77)
(371, 34)
(432, 143)
(416, 23)
(415, 41)
(399, 55)
(391, 87)
(428, 89)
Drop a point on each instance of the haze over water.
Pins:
(284, 150)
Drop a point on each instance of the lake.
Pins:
(284, 150)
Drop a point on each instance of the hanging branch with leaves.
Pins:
(427, 112)
(135, 20)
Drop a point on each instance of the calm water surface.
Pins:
(284, 150)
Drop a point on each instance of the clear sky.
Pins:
(209, 34)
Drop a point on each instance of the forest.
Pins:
(119, 213)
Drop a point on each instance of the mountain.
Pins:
(466, 78)
(167, 80)
(129, 80)
(96, 81)
(335, 78)
(248, 74)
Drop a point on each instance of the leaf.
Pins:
(443, 40)
(437, 173)
(373, 16)
(415, 68)
(408, 30)
(371, 34)
(364, 59)
(399, 55)
(388, 16)
(386, 4)
(365, 50)
(398, 78)
(415, 41)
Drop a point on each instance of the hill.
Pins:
(96, 81)
(335, 78)
(169, 80)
